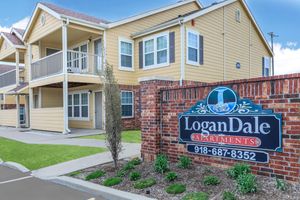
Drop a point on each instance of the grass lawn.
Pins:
(127, 136)
(35, 156)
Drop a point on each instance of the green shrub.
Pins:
(196, 196)
(184, 162)
(94, 175)
(135, 176)
(128, 166)
(246, 183)
(74, 173)
(211, 180)
(121, 173)
(176, 188)
(281, 185)
(238, 169)
(228, 196)
(136, 161)
(112, 181)
(171, 176)
(145, 183)
(161, 164)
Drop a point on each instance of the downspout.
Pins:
(224, 51)
(182, 40)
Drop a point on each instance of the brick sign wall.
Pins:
(162, 101)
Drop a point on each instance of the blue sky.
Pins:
(280, 16)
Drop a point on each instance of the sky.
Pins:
(279, 16)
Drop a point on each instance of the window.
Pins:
(78, 105)
(50, 51)
(156, 51)
(77, 59)
(1, 97)
(238, 16)
(126, 54)
(127, 104)
(193, 47)
(266, 66)
(35, 101)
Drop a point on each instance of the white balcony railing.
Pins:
(77, 62)
(8, 78)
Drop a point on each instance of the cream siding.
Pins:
(39, 31)
(241, 43)
(112, 40)
(8, 117)
(6, 50)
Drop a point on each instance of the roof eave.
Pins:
(100, 26)
(152, 12)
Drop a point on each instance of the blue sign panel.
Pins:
(225, 120)
(237, 154)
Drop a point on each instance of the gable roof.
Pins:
(13, 40)
(192, 15)
(152, 12)
(18, 32)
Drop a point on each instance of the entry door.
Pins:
(98, 54)
(98, 110)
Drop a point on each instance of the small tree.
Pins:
(112, 114)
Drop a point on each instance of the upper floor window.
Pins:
(238, 16)
(194, 48)
(156, 51)
(266, 66)
(126, 54)
(127, 104)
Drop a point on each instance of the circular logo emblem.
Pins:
(221, 100)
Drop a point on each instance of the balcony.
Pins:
(77, 63)
(8, 78)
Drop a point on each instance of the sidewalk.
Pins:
(41, 137)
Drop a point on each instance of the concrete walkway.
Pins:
(41, 137)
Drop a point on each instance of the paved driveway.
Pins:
(15, 185)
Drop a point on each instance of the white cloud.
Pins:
(19, 24)
(287, 59)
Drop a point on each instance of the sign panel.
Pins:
(225, 120)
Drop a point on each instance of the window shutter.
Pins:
(201, 50)
(141, 55)
(172, 47)
(263, 66)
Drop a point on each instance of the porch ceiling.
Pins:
(75, 36)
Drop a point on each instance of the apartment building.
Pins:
(65, 53)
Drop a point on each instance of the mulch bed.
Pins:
(193, 178)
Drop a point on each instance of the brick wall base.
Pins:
(162, 101)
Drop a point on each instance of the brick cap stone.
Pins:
(151, 78)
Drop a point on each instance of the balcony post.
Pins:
(65, 72)
(30, 97)
(17, 67)
(18, 110)
(29, 61)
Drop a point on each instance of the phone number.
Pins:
(237, 154)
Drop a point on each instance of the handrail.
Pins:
(43, 58)
(7, 72)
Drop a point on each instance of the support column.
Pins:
(30, 97)
(18, 110)
(27, 111)
(65, 82)
(17, 67)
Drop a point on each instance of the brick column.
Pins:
(150, 117)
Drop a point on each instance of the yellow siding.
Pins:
(52, 97)
(8, 117)
(49, 119)
(6, 49)
(39, 31)
(240, 43)
(112, 42)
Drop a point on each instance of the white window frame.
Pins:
(123, 39)
(80, 118)
(191, 62)
(155, 65)
(267, 58)
(132, 116)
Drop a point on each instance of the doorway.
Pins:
(98, 110)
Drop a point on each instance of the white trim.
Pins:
(123, 39)
(132, 92)
(182, 50)
(152, 12)
(13, 30)
(154, 38)
(189, 62)
(150, 78)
